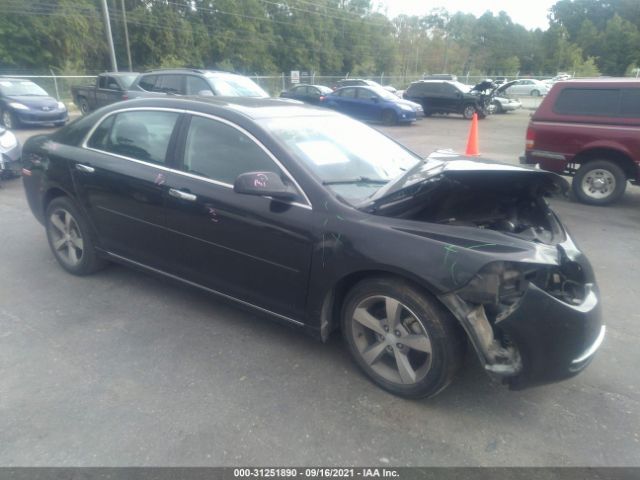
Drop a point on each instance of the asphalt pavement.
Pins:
(123, 369)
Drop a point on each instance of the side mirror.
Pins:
(264, 184)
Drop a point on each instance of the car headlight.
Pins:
(18, 106)
(8, 140)
(62, 106)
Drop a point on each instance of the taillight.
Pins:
(531, 138)
(125, 97)
(322, 97)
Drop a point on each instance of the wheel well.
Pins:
(622, 160)
(50, 195)
(334, 300)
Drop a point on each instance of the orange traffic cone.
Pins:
(472, 143)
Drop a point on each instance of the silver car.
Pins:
(525, 86)
(10, 154)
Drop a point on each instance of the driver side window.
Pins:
(220, 152)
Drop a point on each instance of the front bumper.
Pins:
(511, 106)
(555, 340)
(37, 118)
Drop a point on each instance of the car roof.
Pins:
(119, 74)
(253, 108)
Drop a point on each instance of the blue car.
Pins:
(23, 103)
(373, 104)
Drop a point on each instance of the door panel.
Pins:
(250, 247)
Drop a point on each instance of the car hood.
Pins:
(35, 102)
(409, 103)
(504, 86)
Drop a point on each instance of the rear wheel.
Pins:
(84, 106)
(599, 182)
(70, 238)
(389, 117)
(535, 93)
(468, 112)
(401, 338)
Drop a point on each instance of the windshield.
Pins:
(20, 87)
(352, 159)
(236, 86)
(386, 94)
(127, 80)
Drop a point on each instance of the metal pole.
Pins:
(55, 83)
(107, 28)
(126, 36)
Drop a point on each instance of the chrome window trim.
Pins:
(85, 146)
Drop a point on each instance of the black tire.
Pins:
(535, 93)
(83, 105)
(497, 107)
(77, 228)
(468, 111)
(389, 117)
(9, 120)
(427, 319)
(611, 182)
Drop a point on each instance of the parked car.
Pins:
(322, 222)
(23, 103)
(445, 96)
(589, 129)
(202, 83)
(504, 104)
(313, 94)
(108, 88)
(360, 82)
(10, 154)
(373, 104)
(524, 86)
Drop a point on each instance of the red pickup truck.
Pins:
(589, 129)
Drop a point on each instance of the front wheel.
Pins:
(84, 106)
(9, 120)
(599, 182)
(535, 93)
(70, 238)
(468, 112)
(401, 337)
(389, 117)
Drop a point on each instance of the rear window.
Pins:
(589, 101)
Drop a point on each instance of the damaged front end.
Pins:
(522, 290)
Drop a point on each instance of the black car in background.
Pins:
(446, 96)
(23, 103)
(313, 94)
(201, 83)
(109, 87)
(324, 223)
(361, 82)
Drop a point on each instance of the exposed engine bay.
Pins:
(508, 202)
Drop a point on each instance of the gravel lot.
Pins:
(124, 369)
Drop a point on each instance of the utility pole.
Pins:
(126, 35)
(107, 28)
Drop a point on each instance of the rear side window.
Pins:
(198, 86)
(348, 92)
(588, 101)
(148, 82)
(630, 102)
(140, 135)
(169, 84)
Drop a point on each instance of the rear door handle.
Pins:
(85, 168)
(190, 197)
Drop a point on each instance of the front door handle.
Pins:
(190, 197)
(85, 168)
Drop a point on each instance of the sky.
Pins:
(530, 13)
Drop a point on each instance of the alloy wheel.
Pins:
(7, 120)
(391, 340)
(66, 238)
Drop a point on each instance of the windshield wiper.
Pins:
(355, 180)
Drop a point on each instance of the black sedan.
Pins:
(23, 103)
(313, 94)
(323, 223)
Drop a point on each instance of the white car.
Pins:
(525, 86)
(503, 105)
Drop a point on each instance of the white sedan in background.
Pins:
(525, 86)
